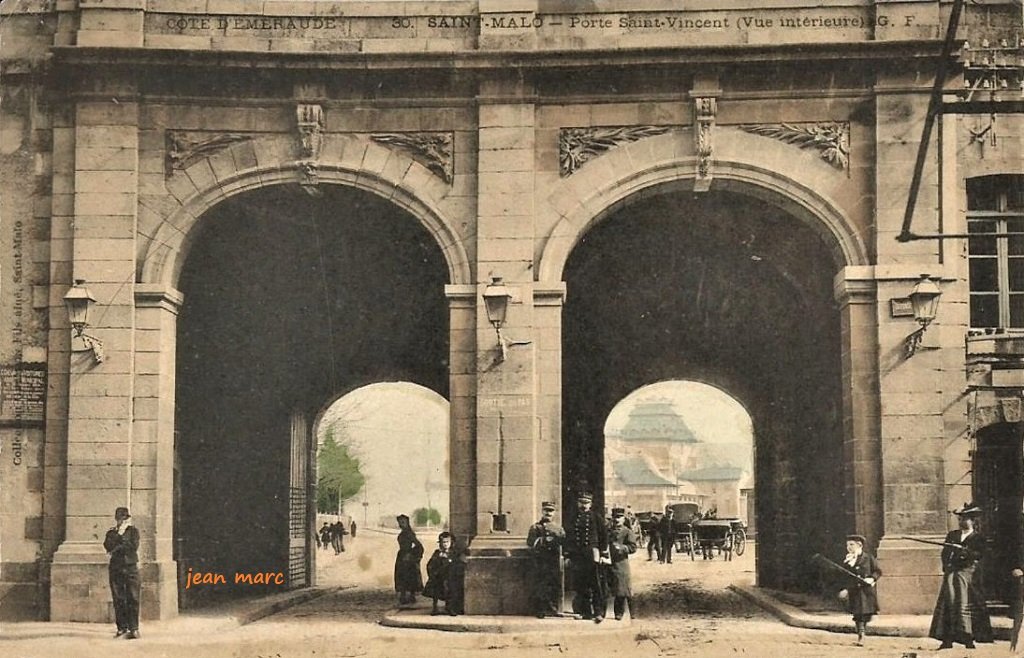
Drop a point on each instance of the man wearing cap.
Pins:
(621, 544)
(587, 540)
(654, 537)
(545, 539)
(960, 613)
(859, 593)
(122, 545)
(667, 533)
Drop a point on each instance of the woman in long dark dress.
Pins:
(860, 595)
(408, 581)
(960, 613)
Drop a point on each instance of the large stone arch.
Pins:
(797, 181)
(171, 224)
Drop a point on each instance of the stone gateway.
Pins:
(711, 194)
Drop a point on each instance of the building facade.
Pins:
(655, 460)
(273, 204)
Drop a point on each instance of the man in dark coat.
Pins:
(545, 539)
(325, 536)
(667, 533)
(960, 613)
(621, 544)
(654, 537)
(860, 595)
(588, 540)
(338, 537)
(122, 545)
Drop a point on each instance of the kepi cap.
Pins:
(618, 511)
(585, 496)
(548, 505)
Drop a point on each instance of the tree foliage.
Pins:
(339, 472)
(426, 516)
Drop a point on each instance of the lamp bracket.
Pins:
(83, 342)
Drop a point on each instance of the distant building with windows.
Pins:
(657, 459)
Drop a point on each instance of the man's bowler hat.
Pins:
(857, 538)
(122, 513)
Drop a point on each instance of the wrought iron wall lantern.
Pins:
(497, 296)
(79, 301)
(924, 299)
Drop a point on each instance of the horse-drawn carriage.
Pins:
(704, 533)
(697, 533)
(726, 536)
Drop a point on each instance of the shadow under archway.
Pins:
(727, 290)
(289, 299)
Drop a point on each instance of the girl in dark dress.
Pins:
(408, 581)
(438, 567)
(861, 597)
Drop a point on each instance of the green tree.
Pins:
(339, 473)
(426, 516)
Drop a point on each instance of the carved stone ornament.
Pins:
(576, 146)
(433, 150)
(309, 177)
(310, 123)
(832, 140)
(184, 148)
(705, 108)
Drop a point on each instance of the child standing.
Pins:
(438, 566)
(860, 595)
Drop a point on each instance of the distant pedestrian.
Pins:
(960, 613)
(352, 528)
(667, 534)
(408, 580)
(438, 567)
(122, 545)
(338, 537)
(859, 591)
(654, 537)
(621, 544)
(325, 536)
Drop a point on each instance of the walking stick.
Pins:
(825, 562)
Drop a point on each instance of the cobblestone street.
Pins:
(683, 609)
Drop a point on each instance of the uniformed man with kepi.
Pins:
(122, 545)
(545, 540)
(621, 544)
(588, 541)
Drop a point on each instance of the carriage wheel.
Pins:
(740, 542)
